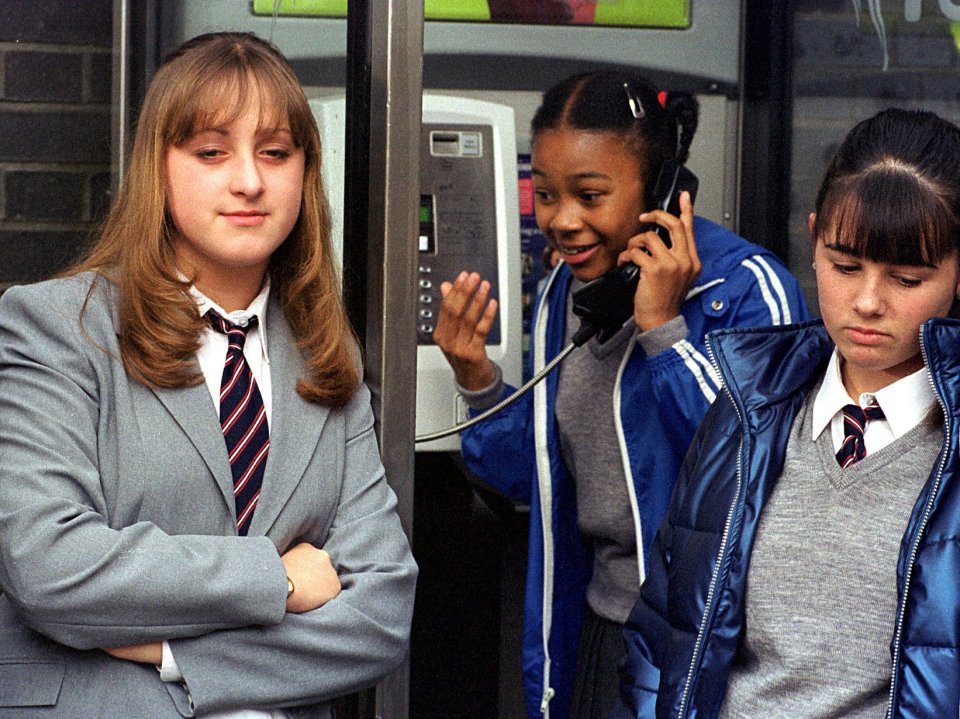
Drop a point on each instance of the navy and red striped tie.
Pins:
(243, 419)
(854, 421)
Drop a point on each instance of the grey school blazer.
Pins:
(117, 526)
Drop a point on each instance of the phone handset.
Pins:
(606, 303)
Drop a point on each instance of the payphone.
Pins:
(468, 220)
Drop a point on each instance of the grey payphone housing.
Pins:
(469, 220)
(457, 209)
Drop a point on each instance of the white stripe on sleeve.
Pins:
(698, 365)
(764, 289)
(777, 286)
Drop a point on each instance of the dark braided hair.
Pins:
(605, 101)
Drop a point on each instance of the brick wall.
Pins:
(838, 79)
(55, 66)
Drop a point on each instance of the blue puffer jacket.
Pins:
(684, 631)
(658, 403)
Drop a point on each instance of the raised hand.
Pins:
(466, 315)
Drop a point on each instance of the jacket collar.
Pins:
(763, 366)
(940, 339)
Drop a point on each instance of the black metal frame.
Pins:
(767, 111)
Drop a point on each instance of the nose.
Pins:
(566, 218)
(246, 178)
(869, 299)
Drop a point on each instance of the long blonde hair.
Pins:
(207, 82)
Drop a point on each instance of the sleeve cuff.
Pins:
(486, 397)
(662, 338)
(169, 671)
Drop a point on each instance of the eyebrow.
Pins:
(852, 252)
(216, 129)
(222, 130)
(577, 176)
(842, 249)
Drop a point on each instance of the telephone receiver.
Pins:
(606, 303)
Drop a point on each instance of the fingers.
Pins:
(328, 581)
(142, 653)
(680, 228)
(686, 219)
(666, 273)
(466, 315)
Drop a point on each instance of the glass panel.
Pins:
(847, 66)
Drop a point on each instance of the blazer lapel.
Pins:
(192, 409)
(295, 424)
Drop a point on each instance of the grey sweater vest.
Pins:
(821, 592)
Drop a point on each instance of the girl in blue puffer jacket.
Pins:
(809, 563)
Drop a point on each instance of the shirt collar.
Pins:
(257, 308)
(904, 403)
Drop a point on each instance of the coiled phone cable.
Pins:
(587, 330)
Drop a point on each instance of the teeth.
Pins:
(574, 250)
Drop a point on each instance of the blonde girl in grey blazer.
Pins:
(120, 551)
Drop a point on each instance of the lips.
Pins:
(245, 218)
(575, 254)
(865, 335)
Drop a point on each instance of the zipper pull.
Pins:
(545, 702)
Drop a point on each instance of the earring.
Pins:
(814, 266)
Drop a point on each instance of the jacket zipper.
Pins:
(708, 606)
(546, 497)
(625, 458)
(915, 546)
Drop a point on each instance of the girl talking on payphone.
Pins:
(595, 449)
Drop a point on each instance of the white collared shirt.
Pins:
(211, 356)
(213, 345)
(904, 403)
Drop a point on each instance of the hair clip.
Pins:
(662, 99)
(636, 107)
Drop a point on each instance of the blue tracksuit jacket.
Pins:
(657, 404)
(684, 630)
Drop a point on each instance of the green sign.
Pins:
(631, 13)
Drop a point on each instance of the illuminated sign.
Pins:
(632, 13)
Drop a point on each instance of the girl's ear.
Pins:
(811, 221)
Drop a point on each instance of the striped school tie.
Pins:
(854, 421)
(243, 419)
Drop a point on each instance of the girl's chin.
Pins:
(587, 272)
